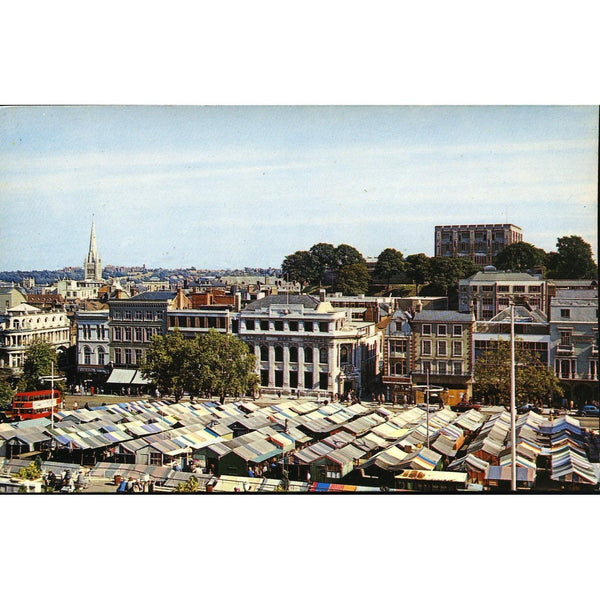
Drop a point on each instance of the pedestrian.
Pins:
(75, 405)
(129, 486)
(250, 472)
(308, 477)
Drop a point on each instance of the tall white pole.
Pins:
(52, 393)
(427, 402)
(513, 410)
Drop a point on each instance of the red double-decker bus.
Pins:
(33, 405)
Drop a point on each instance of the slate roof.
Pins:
(442, 316)
(303, 299)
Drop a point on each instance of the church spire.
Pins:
(92, 265)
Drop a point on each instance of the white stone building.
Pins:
(22, 324)
(304, 345)
(93, 345)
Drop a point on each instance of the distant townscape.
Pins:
(332, 372)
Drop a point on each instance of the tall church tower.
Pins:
(92, 265)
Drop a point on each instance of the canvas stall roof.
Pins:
(29, 436)
(298, 436)
(219, 449)
(571, 467)
(35, 423)
(370, 442)
(319, 426)
(560, 423)
(134, 445)
(303, 408)
(499, 473)
(361, 425)
(282, 441)
(522, 461)
(345, 456)
(246, 406)
(115, 437)
(304, 457)
(466, 422)
(121, 376)
(168, 447)
(385, 459)
(338, 417)
(390, 431)
(106, 470)
(423, 459)
(491, 446)
(220, 430)
(339, 439)
(329, 409)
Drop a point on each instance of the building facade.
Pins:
(489, 292)
(22, 324)
(397, 364)
(574, 343)
(304, 345)
(93, 347)
(480, 243)
(442, 348)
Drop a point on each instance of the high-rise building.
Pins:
(92, 266)
(480, 243)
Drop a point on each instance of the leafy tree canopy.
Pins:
(6, 394)
(390, 263)
(533, 380)
(298, 267)
(417, 268)
(519, 257)
(39, 357)
(353, 279)
(573, 259)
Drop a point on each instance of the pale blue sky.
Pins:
(220, 187)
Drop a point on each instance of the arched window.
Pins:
(87, 355)
(308, 355)
(323, 356)
(278, 354)
(101, 355)
(293, 354)
(264, 353)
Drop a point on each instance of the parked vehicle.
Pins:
(525, 408)
(589, 411)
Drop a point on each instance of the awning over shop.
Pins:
(121, 376)
(138, 379)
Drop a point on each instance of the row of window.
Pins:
(134, 334)
(442, 348)
(197, 322)
(279, 325)
(567, 368)
(29, 322)
(88, 354)
(128, 356)
(137, 315)
(85, 332)
(442, 367)
(263, 351)
(427, 329)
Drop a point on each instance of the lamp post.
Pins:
(513, 409)
(52, 379)
(428, 389)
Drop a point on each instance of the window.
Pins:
(127, 315)
(278, 379)
(250, 325)
(426, 365)
(264, 325)
(442, 367)
(294, 379)
(503, 288)
(101, 355)
(278, 354)
(308, 356)
(158, 315)
(565, 313)
(264, 353)
(308, 380)
(442, 330)
(308, 325)
(118, 356)
(565, 337)
(400, 368)
(149, 333)
(118, 334)
(293, 325)
(426, 347)
(139, 355)
(442, 348)
(138, 315)
(264, 377)
(398, 346)
(87, 355)
(323, 381)
(457, 330)
(323, 359)
(127, 334)
(127, 356)
(155, 458)
(457, 368)
(293, 354)
(323, 327)
(138, 334)
(426, 329)
(456, 348)
(278, 325)
(148, 315)
(518, 289)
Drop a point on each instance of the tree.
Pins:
(6, 395)
(347, 255)
(390, 263)
(323, 258)
(224, 365)
(573, 260)
(444, 273)
(298, 267)
(168, 364)
(353, 279)
(519, 257)
(39, 357)
(533, 380)
(189, 487)
(417, 268)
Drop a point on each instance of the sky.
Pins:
(244, 186)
